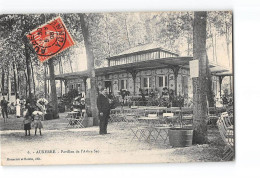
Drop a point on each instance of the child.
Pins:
(37, 122)
(27, 124)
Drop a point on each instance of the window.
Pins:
(123, 84)
(78, 87)
(162, 81)
(146, 82)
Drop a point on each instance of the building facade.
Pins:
(146, 67)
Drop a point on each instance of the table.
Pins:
(151, 122)
(73, 121)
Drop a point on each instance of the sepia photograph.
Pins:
(117, 88)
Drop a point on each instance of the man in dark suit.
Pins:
(104, 110)
(4, 106)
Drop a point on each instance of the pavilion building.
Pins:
(147, 67)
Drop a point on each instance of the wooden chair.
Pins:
(227, 134)
(139, 130)
(187, 117)
(79, 121)
(128, 116)
(116, 116)
(167, 122)
(151, 111)
(212, 116)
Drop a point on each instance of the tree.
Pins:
(90, 57)
(200, 83)
(54, 99)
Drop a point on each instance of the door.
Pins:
(108, 86)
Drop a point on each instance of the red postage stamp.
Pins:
(50, 39)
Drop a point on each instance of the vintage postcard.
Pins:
(116, 88)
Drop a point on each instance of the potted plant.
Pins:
(89, 117)
(180, 137)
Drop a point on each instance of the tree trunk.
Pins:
(18, 82)
(210, 94)
(215, 45)
(8, 80)
(15, 85)
(34, 90)
(26, 84)
(189, 44)
(60, 70)
(108, 37)
(89, 53)
(53, 89)
(71, 69)
(45, 81)
(3, 81)
(200, 83)
(127, 33)
(229, 60)
(212, 42)
(27, 56)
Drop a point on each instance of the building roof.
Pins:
(143, 48)
(144, 65)
(73, 75)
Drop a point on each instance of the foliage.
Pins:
(68, 98)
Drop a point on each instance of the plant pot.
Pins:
(48, 116)
(88, 122)
(180, 137)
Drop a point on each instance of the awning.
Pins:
(71, 76)
(144, 65)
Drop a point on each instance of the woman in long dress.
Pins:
(18, 108)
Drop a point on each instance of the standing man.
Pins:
(104, 110)
(4, 108)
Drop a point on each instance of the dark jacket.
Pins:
(103, 103)
(4, 104)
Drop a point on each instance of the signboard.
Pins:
(194, 68)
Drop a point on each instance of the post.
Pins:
(85, 85)
(65, 85)
(175, 69)
(60, 88)
(133, 72)
(220, 78)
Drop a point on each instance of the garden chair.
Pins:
(212, 116)
(116, 116)
(128, 116)
(172, 109)
(167, 122)
(187, 117)
(138, 130)
(151, 111)
(227, 134)
(79, 120)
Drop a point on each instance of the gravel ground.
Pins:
(85, 146)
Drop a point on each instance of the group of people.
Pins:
(33, 117)
(32, 111)
(19, 107)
